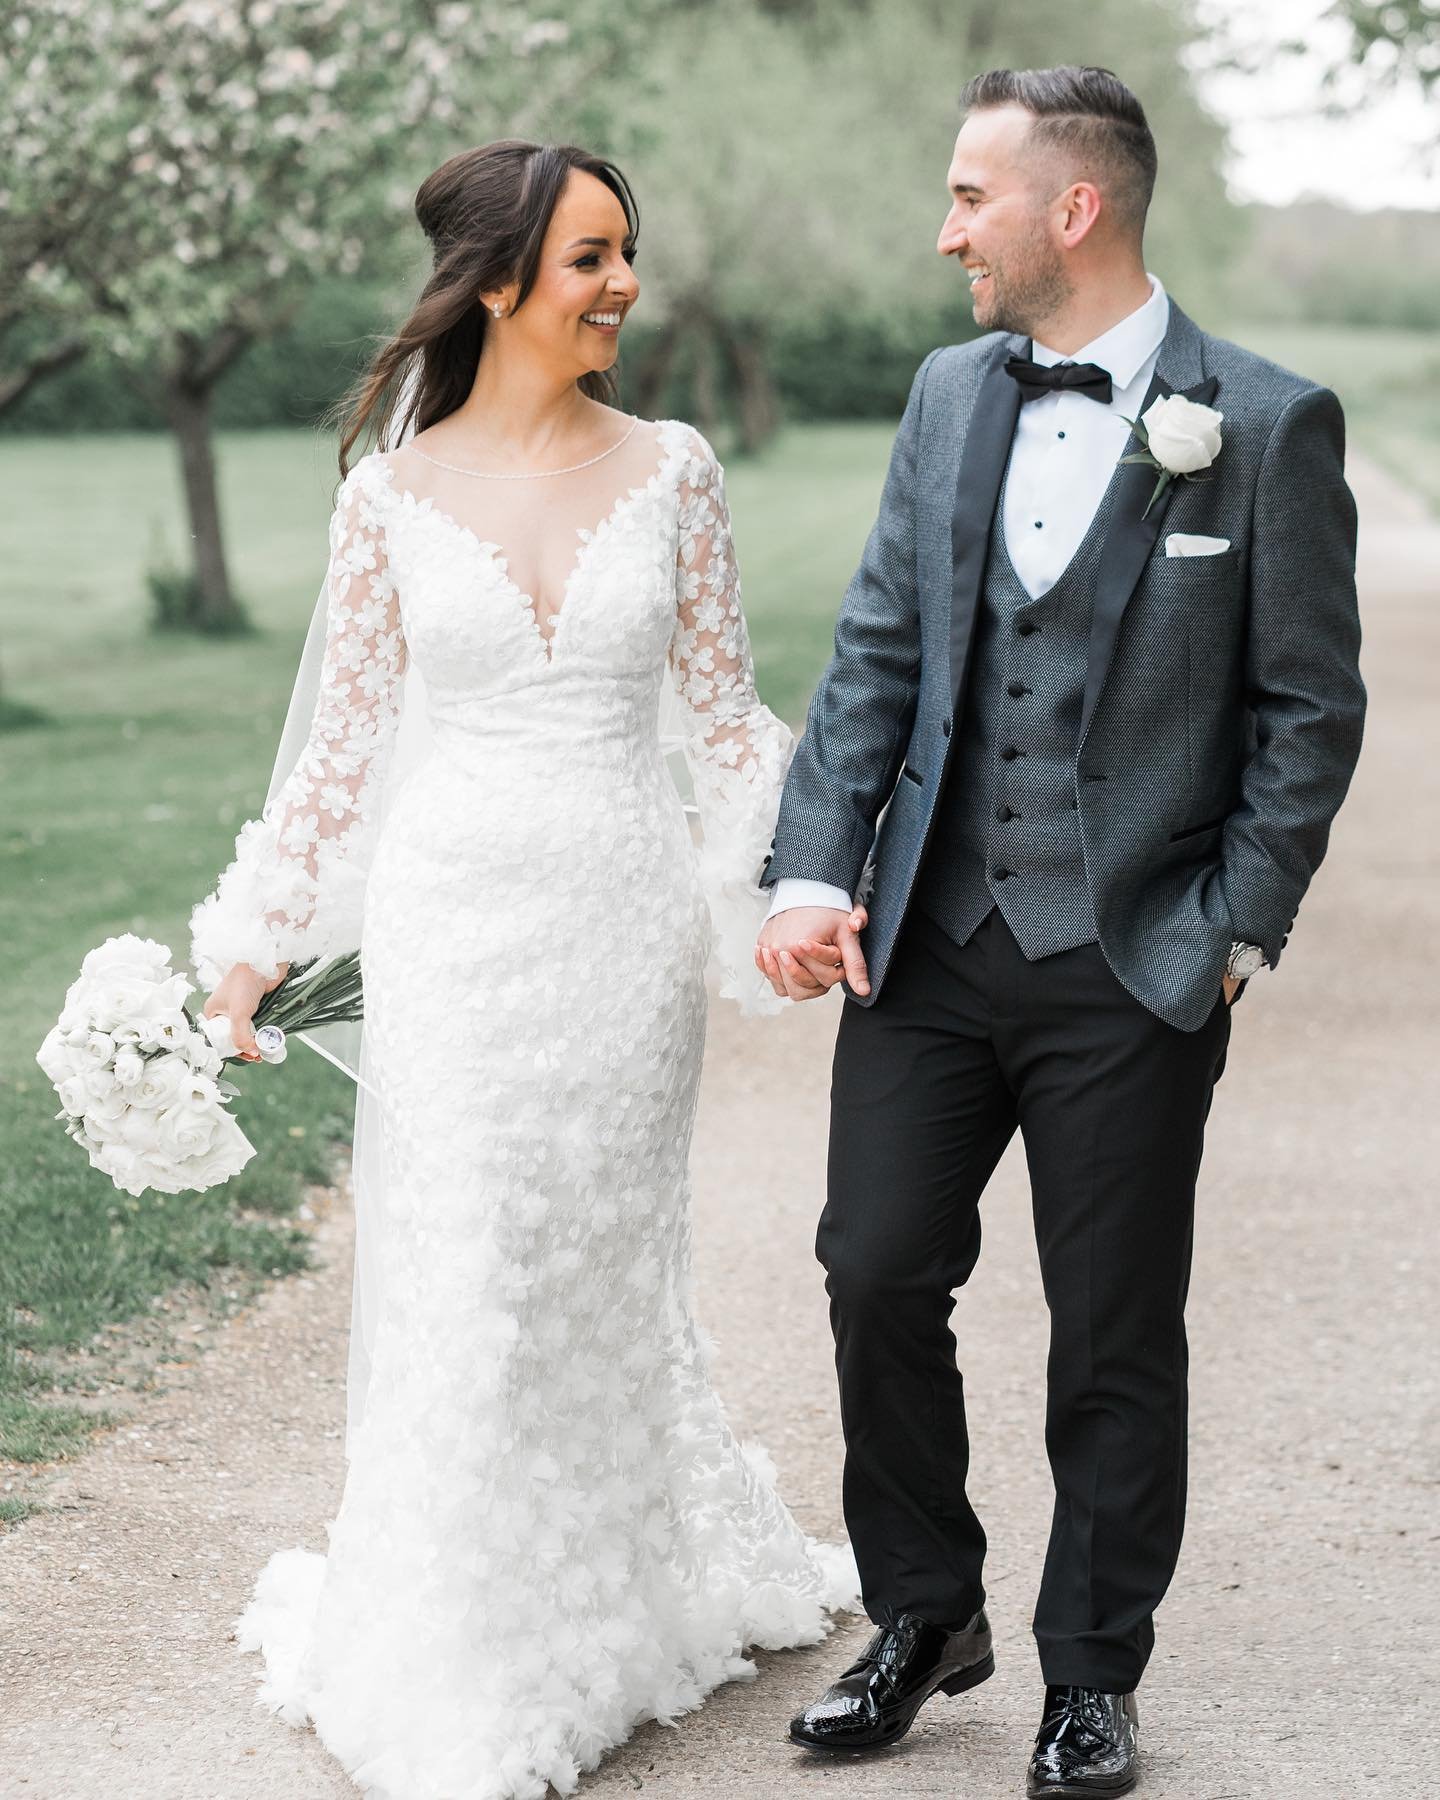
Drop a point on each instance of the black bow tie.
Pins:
(1062, 377)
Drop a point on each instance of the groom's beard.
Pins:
(1025, 289)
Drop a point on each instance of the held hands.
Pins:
(806, 950)
(237, 997)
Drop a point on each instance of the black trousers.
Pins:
(964, 1044)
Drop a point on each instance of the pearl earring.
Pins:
(497, 309)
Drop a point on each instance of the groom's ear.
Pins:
(1076, 210)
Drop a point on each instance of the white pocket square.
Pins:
(1187, 543)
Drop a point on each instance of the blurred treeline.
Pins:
(1319, 264)
(789, 157)
(1310, 263)
(205, 208)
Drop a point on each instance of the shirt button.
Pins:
(1059, 434)
(1039, 524)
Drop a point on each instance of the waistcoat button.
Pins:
(1010, 753)
(1002, 874)
(1016, 689)
(1026, 627)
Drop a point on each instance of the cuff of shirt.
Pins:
(791, 892)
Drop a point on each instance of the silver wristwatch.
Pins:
(1244, 960)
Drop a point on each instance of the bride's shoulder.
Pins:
(372, 473)
(686, 444)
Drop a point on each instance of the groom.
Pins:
(1109, 711)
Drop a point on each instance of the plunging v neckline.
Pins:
(589, 535)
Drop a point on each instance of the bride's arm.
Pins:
(295, 889)
(737, 749)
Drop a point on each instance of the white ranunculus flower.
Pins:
(202, 1055)
(228, 1154)
(165, 1079)
(106, 1128)
(57, 1057)
(1183, 435)
(122, 1166)
(124, 1000)
(182, 1132)
(129, 1065)
(74, 1095)
(128, 955)
(97, 1049)
(167, 1029)
(138, 1129)
(100, 1087)
(199, 1093)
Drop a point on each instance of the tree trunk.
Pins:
(707, 399)
(652, 374)
(187, 406)
(755, 389)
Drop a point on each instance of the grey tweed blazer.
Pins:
(1223, 703)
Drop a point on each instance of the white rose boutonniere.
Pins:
(1180, 437)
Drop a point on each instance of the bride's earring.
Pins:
(498, 310)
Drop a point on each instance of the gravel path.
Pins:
(1291, 1645)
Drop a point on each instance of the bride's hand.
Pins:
(237, 997)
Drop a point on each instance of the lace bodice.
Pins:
(543, 610)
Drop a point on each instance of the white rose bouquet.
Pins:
(139, 1078)
(1180, 437)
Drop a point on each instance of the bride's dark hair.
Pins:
(485, 212)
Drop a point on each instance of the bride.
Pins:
(548, 1532)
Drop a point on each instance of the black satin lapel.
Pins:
(977, 488)
(1128, 544)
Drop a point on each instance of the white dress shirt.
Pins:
(1062, 456)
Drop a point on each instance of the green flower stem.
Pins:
(308, 1002)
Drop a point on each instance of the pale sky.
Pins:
(1285, 147)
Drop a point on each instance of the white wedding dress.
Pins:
(548, 1532)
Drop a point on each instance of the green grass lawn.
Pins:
(124, 801)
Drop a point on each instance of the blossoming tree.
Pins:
(185, 169)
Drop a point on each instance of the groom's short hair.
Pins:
(1088, 118)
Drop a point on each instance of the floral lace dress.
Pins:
(548, 1532)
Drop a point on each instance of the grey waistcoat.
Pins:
(1009, 802)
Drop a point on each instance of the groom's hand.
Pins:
(806, 950)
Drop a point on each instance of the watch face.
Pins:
(1245, 962)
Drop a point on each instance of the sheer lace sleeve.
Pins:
(296, 887)
(737, 750)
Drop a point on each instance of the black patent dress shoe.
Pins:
(876, 1699)
(1087, 1744)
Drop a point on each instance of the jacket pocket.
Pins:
(917, 778)
(1195, 830)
